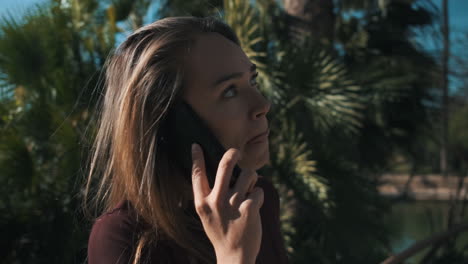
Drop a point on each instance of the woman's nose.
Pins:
(261, 106)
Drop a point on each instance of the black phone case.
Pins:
(186, 127)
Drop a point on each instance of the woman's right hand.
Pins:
(230, 216)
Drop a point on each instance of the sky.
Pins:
(16, 7)
(458, 10)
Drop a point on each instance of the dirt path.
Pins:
(422, 187)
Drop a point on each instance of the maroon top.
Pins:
(114, 235)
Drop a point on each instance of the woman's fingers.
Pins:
(234, 230)
(200, 184)
(243, 190)
(223, 175)
(245, 182)
(253, 201)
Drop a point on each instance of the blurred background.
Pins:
(369, 143)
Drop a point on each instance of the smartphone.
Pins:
(184, 127)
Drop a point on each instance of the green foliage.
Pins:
(317, 110)
(49, 64)
(321, 86)
(198, 8)
(387, 64)
(458, 138)
(459, 124)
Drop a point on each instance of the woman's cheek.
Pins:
(231, 123)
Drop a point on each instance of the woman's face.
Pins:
(221, 88)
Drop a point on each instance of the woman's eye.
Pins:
(253, 81)
(230, 92)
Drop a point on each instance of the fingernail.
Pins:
(194, 148)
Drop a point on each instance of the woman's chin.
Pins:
(255, 158)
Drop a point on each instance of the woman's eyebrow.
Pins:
(234, 75)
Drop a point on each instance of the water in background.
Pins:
(417, 220)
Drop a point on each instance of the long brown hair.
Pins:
(144, 77)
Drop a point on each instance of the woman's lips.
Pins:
(259, 138)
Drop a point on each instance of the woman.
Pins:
(152, 211)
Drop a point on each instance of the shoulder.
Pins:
(113, 236)
(272, 248)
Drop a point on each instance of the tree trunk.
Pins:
(313, 18)
(445, 60)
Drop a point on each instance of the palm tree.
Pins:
(315, 102)
(315, 18)
(49, 70)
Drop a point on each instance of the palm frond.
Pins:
(325, 89)
(243, 18)
(292, 155)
